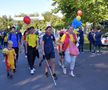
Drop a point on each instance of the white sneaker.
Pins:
(25, 56)
(32, 72)
(64, 70)
(34, 69)
(62, 66)
(72, 74)
(59, 63)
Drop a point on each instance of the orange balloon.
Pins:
(79, 13)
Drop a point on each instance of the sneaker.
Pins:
(62, 66)
(11, 76)
(46, 73)
(59, 63)
(40, 64)
(64, 70)
(14, 70)
(32, 72)
(34, 69)
(8, 75)
(25, 56)
(55, 76)
(72, 74)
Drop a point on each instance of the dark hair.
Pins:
(98, 28)
(31, 28)
(48, 27)
(61, 34)
(12, 27)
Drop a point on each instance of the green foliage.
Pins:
(5, 22)
(93, 10)
(55, 21)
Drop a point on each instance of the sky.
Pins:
(15, 7)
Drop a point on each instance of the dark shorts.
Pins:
(49, 56)
(62, 54)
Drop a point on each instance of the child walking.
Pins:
(10, 55)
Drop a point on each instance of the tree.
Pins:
(55, 21)
(5, 22)
(93, 10)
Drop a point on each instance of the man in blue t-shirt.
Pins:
(14, 37)
(48, 50)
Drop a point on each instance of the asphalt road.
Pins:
(91, 74)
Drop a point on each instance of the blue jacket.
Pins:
(15, 38)
(81, 35)
(98, 38)
(91, 37)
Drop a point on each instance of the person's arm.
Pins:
(62, 39)
(43, 42)
(9, 35)
(37, 43)
(26, 43)
(19, 44)
(14, 54)
(54, 40)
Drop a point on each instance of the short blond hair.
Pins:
(10, 42)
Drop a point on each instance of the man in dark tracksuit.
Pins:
(81, 40)
(91, 40)
(98, 43)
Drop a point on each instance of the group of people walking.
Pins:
(67, 39)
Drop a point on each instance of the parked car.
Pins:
(104, 39)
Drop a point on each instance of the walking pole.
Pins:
(51, 72)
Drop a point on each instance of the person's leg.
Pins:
(53, 65)
(37, 53)
(99, 48)
(82, 45)
(43, 58)
(90, 47)
(93, 46)
(30, 57)
(46, 67)
(34, 55)
(52, 56)
(4, 44)
(47, 56)
(66, 61)
(79, 47)
(72, 65)
(16, 51)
